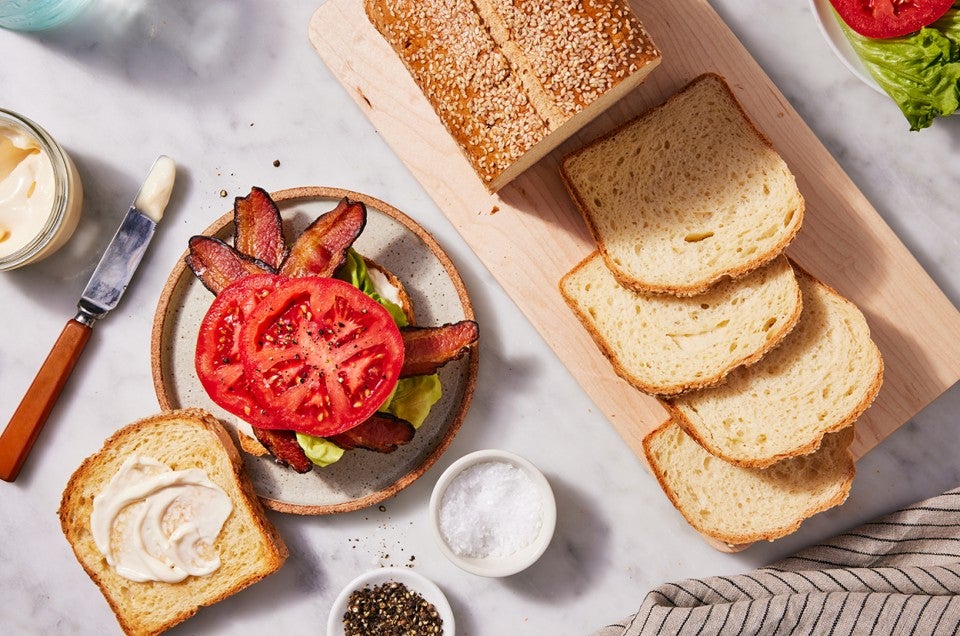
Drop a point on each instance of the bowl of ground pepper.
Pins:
(389, 601)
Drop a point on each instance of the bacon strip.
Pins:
(381, 432)
(284, 447)
(426, 349)
(258, 228)
(322, 248)
(217, 264)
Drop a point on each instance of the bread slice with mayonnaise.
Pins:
(247, 546)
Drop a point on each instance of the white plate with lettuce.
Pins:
(919, 72)
(357, 478)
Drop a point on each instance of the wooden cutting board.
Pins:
(529, 234)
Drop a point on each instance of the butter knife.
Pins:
(103, 292)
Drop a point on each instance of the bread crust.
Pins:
(741, 539)
(406, 304)
(95, 471)
(681, 387)
(706, 282)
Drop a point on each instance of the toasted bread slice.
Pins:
(739, 505)
(820, 379)
(248, 545)
(686, 194)
(666, 345)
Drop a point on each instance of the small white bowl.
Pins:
(496, 566)
(414, 581)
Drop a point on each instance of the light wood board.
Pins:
(529, 234)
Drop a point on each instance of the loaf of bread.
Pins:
(820, 379)
(248, 546)
(686, 194)
(739, 505)
(664, 344)
(511, 80)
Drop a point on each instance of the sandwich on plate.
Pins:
(312, 344)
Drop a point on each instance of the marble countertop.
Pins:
(228, 87)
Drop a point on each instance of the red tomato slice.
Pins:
(218, 352)
(890, 18)
(322, 354)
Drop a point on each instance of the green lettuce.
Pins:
(410, 400)
(354, 271)
(321, 452)
(413, 397)
(919, 71)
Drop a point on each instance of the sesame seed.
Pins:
(574, 51)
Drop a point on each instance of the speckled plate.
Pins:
(361, 478)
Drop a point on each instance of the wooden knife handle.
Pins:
(30, 416)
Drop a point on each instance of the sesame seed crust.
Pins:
(503, 74)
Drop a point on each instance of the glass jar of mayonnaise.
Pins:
(40, 192)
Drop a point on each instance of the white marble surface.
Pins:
(226, 87)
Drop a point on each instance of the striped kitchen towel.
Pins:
(897, 575)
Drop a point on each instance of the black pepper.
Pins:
(390, 609)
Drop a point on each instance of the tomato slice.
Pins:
(890, 18)
(322, 354)
(218, 362)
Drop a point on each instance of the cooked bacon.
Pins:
(284, 448)
(258, 228)
(381, 432)
(217, 264)
(426, 349)
(322, 248)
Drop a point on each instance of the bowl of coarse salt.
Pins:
(493, 513)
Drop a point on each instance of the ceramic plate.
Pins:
(832, 32)
(361, 478)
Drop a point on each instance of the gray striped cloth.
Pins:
(897, 575)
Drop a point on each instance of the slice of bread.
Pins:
(664, 344)
(511, 81)
(248, 545)
(820, 379)
(739, 505)
(686, 194)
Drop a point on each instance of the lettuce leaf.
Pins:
(320, 451)
(919, 71)
(411, 398)
(354, 271)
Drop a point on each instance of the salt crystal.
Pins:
(492, 509)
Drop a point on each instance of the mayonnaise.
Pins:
(155, 192)
(27, 189)
(383, 286)
(156, 524)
